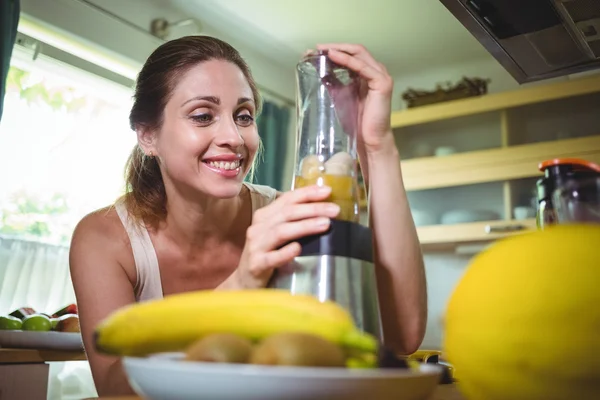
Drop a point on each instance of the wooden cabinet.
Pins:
(496, 142)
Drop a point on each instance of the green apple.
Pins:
(10, 323)
(37, 322)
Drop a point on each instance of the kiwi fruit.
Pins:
(298, 349)
(220, 348)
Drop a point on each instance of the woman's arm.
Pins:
(101, 286)
(399, 262)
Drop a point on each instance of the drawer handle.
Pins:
(504, 228)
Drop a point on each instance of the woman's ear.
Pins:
(146, 139)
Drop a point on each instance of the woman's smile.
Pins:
(226, 165)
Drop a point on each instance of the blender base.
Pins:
(337, 266)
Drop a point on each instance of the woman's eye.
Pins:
(245, 119)
(202, 118)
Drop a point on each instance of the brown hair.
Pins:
(145, 196)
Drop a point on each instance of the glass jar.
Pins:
(577, 200)
(557, 173)
(327, 108)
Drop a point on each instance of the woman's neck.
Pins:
(202, 221)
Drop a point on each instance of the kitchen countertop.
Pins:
(443, 392)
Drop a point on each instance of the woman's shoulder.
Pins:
(101, 236)
(101, 227)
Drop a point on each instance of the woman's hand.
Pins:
(374, 133)
(295, 214)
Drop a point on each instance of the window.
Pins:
(64, 141)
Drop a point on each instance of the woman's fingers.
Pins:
(377, 80)
(276, 258)
(271, 248)
(271, 239)
(356, 50)
(275, 236)
(308, 210)
(307, 194)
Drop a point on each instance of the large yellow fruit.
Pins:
(524, 321)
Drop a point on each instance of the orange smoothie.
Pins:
(343, 192)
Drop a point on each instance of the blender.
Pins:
(336, 265)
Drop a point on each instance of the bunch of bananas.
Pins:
(177, 321)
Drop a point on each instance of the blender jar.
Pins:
(327, 110)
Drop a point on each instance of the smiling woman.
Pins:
(189, 221)
(207, 68)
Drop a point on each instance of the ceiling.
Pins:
(406, 35)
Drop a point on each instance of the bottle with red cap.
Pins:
(560, 173)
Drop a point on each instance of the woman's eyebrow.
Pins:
(216, 100)
(243, 100)
(212, 99)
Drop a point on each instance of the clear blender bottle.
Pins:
(327, 107)
(336, 265)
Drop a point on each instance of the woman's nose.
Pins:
(229, 135)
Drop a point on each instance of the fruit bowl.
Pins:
(167, 376)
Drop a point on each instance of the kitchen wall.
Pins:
(83, 21)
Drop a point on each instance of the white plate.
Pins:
(166, 377)
(50, 340)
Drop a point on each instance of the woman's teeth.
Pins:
(227, 165)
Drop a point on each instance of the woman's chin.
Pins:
(226, 190)
(223, 188)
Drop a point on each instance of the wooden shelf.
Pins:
(506, 164)
(500, 164)
(495, 102)
(447, 237)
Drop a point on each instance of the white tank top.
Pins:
(148, 284)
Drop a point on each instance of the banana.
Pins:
(174, 322)
(362, 361)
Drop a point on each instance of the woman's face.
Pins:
(208, 139)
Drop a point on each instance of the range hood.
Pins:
(535, 39)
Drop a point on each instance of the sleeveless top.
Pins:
(148, 284)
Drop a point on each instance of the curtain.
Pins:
(34, 274)
(273, 128)
(9, 19)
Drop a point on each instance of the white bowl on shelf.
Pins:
(444, 151)
(523, 212)
(423, 218)
(467, 216)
